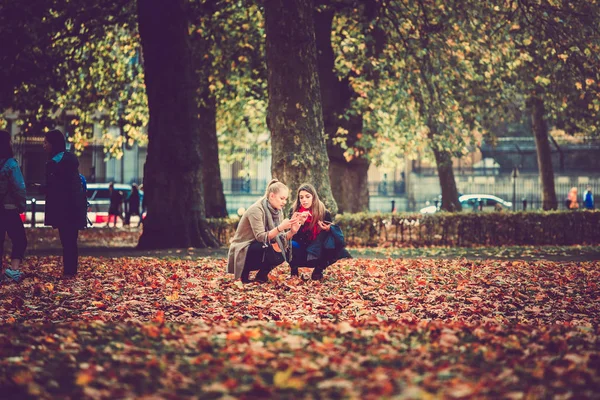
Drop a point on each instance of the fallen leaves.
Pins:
(135, 327)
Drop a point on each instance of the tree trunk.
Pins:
(544, 155)
(173, 170)
(349, 179)
(214, 198)
(294, 114)
(443, 160)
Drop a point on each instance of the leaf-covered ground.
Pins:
(408, 328)
(121, 242)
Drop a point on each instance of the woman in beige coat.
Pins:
(261, 223)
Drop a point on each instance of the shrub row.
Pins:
(457, 229)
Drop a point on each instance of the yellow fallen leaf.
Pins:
(173, 297)
(83, 378)
(98, 304)
(284, 380)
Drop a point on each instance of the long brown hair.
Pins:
(317, 208)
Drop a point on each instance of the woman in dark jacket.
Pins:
(12, 203)
(308, 245)
(65, 199)
(133, 203)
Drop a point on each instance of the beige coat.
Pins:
(252, 226)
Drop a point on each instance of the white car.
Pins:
(475, 202)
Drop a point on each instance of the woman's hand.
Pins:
(296, 227)
(287, 224)
(326, 226)
(284, 225)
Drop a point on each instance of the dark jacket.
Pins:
(327, 248)
(116, 200)
(303, 237)
(66, 203)
(134, 203)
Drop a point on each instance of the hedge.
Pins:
(457, 229)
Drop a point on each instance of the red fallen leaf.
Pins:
(151, 330)
(22, 377)
(234, 336)
(159, 317)
(231, 383)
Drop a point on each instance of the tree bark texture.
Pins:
(294, 114)
(349, 179)
(544, 155)
(214, 198)
(443, 160)
(202, 62)
(173, 170)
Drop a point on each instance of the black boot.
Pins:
(294, 271)
(263, 275)
(246, 276)
(317, 274)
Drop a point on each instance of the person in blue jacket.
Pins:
(318, 243)
(12, 204)
(588, 199)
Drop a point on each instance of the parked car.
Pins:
(474, 202)
(99, 199)
(99, 196)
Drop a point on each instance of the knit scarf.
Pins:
(272, 221)
(312, 233)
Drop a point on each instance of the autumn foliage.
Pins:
(373, 328)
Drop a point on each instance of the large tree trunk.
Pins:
(173, 169)
(214, 198)
(443, 160)
(544, 155)
(349, 179)
(294, 114)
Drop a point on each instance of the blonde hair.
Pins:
(275, 187)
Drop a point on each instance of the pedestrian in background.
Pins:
(66, 201)
(572, 202)
(115, 207)
(588, 199)
(12, 204)
(133, 204)
(143, 204)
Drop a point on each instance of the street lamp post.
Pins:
(515, 173)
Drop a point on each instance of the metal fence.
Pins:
(526, 190)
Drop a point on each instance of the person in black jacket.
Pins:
(66, 203)
(115, 207)
(308, 244)
(133, 204)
